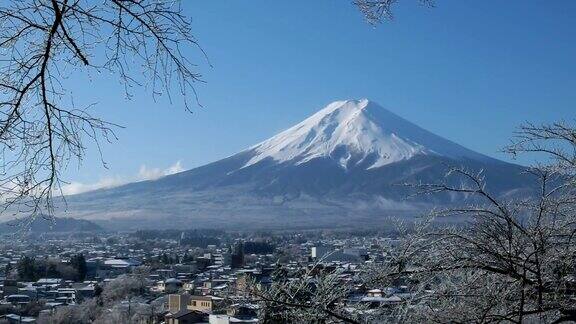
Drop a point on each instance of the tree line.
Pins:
(32, 269)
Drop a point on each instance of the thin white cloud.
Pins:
(75, 187)
(175, 168)
(144, 173)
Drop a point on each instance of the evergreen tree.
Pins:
(52, 270)
(8, 270)
(78, 262)
(27, 269)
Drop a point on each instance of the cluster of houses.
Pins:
(208, 285)
(53, 292)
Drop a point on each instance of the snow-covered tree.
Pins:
(512, 260)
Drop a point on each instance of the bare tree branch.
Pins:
(42, 43)
(377, 10)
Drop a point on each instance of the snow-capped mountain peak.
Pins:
(355, 133)
(339, 167)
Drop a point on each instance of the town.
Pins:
(178, 276)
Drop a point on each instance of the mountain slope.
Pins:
(341, 165)
(356, 132)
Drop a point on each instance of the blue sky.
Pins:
(469, 71)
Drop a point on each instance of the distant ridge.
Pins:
(58, 225)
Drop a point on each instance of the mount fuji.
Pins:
(356, 134)
(339, 167)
